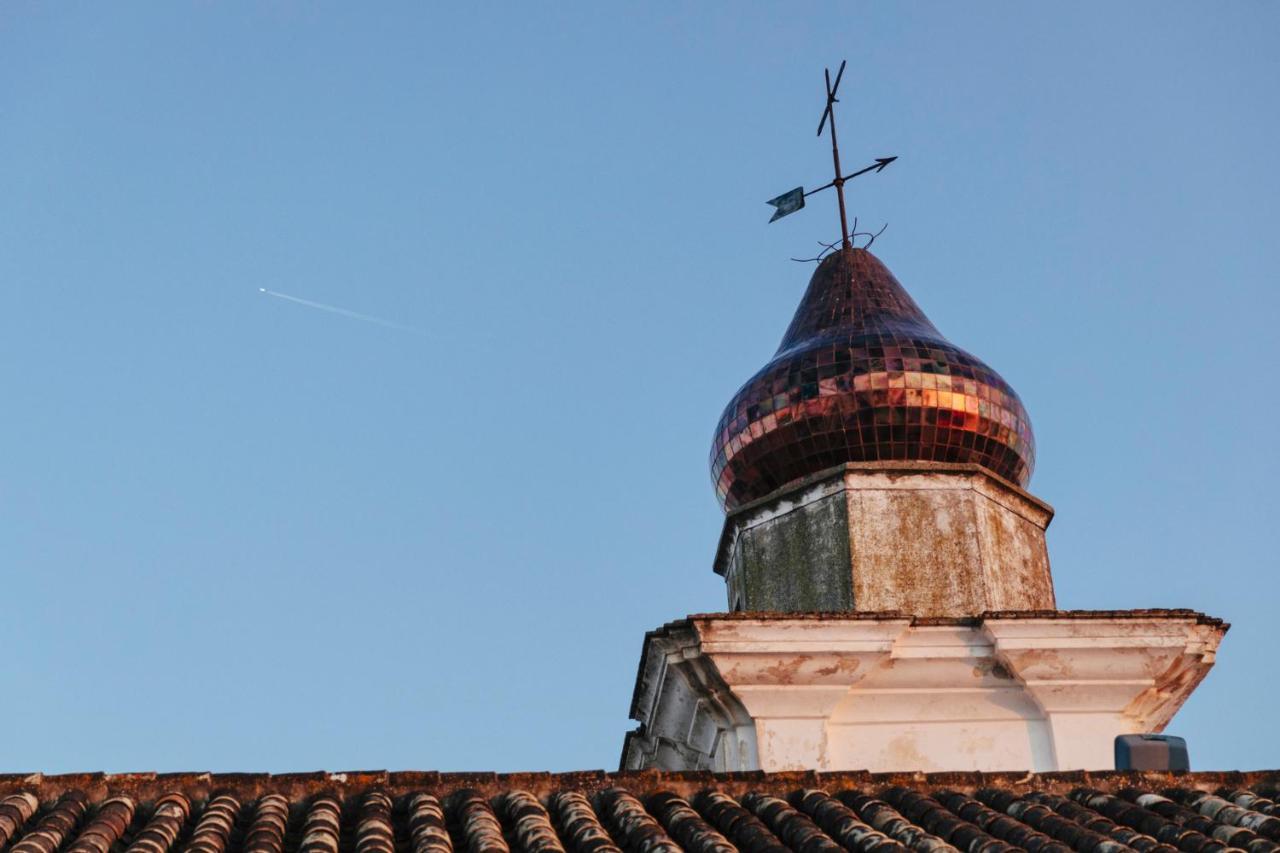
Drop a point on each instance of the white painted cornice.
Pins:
(1032, 691)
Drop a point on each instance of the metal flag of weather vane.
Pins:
(793, 200)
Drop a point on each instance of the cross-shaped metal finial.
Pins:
(790, 202)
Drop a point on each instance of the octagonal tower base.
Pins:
(925, 538)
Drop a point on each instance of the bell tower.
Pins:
(890, 602)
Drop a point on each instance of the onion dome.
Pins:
(863, 376)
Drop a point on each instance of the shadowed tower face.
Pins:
(863, 376)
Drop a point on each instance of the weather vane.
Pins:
(790, 202)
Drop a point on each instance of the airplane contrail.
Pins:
(334, 309)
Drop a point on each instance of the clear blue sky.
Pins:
(239, 533)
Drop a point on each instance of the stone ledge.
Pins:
(978, 619)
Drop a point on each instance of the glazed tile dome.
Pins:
(863, 376)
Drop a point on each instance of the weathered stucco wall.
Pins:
(929, 539)
(1037, 691)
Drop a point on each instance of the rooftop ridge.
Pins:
(145, 786)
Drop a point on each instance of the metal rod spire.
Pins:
(793, 200)
(838, 182)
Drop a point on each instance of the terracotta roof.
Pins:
(645, 812)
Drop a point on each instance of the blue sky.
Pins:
(239, 533)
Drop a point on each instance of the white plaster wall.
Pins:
(1038, 693)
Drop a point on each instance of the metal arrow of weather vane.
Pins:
(790, 202)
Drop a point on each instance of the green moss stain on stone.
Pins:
(799, 561)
